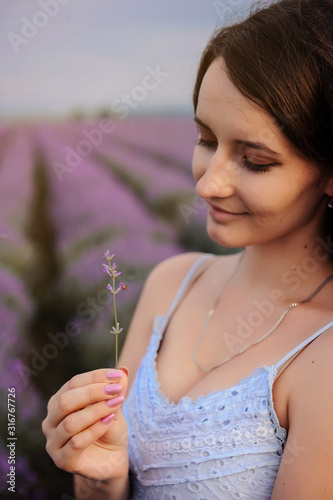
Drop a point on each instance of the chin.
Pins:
(226, 238)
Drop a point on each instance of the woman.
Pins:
(227, 391)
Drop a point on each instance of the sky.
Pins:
(58, 57)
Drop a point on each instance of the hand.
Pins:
(85, 430)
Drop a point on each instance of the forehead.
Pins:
(216, 83)
(222, 105)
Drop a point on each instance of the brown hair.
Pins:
(281, 58)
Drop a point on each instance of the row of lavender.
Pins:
(68, 192)
(16, 307)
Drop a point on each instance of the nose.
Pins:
(217, 180)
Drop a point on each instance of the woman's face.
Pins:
(256, 187)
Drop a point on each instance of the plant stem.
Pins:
(116, 351)
(115, 317)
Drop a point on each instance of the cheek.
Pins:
(279, 201)
(266, 199)
(198, 164)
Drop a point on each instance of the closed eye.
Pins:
(206, 144)
(257, 167)
(252, 167)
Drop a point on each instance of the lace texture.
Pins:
(227, 444)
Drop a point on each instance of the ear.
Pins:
(329, 187)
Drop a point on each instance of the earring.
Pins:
(330, 203)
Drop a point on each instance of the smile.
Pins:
(220, 214)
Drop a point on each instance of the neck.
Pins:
(295, 268)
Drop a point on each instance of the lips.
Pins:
(223, 210)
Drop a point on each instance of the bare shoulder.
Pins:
(310, 373)
(166, 278)
(175, 268)
(309, 447)
(155, 299)
(312, 367)
(178, 263)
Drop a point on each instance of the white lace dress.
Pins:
(225, 445)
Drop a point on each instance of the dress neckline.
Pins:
(187, 401)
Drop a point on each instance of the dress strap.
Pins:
(301, 346)
(193, 273)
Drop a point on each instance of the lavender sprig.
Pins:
(111, 270)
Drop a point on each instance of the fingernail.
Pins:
(115, 401)
(112, 388)
(124, 369)
(107, 419)
(114, 374)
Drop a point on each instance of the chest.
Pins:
(179, 376)
(200, 438)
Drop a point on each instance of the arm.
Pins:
(156, 297)
(86, 489)
(86, 433)
(306, 466)
(78, 440)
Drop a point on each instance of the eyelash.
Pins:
(253, 167)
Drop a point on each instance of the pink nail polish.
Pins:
(114, 374)
(115, 401)
(107, 419)
(124, 369)
(112, 388)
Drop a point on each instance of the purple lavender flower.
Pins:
(111, 270)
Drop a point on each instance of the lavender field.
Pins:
(68, 192)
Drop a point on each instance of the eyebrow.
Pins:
(249, 144)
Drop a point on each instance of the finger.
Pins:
(124, 378)
(69, 455)
(92, 377)
(79, 421)
(73, 395)
(73, 401)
